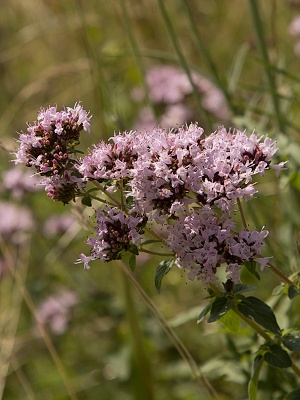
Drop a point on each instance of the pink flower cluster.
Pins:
(55, 312)
(202, 242)
(181, 180)
(166, 171)
(48, 147)
(116, 232)
(169, 89)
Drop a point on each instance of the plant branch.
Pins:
(242, 213)
(99, 186)
(180, 347)
(145, 387)
(280, 274)
(258, 27)
(182, 60)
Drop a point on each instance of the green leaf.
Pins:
(129, 260)
(240, 288)
(204, 312)
(93, 190)
(162, 269)
(219, 308)
(292, 341)
(293, 292)
(260, 312)
(151, 241)
(294, 395)
(251, 267)
(278, 290)
(86, 201)
(133, 249)
(231, 320)
(253, 383)
(75, 151)
(277, 357)
(132, 262)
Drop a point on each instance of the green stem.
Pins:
(253, 383)
(258, 27)
(180, 347)
(136, 53)
(155, 253)
(99, 186)
(206, 56)
(97, 78)
(102, 200)
(271, 267)
(281, 275)
(242, 213)
(144, 385)
(182, 60)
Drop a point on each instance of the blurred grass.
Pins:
(55, 52)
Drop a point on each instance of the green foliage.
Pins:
(219, 308)
(292, 341)
(130, 260)
(251, 267)
(293, 292)
(255, 309)
(231, 320)
(277, 357)
(163, 268)
(86, 201)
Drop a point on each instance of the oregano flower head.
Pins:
(180, 181)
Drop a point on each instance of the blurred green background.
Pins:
(101, 340)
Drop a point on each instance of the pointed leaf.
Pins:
(251, 267)
(240, 288)
(219, 308)
(86, 201)
(129, 260)
(204, 312)
(278, 290)
(291, 341)
(133, 249)
(132, 262)
(293, 292)
(260, 312)
(277, 357)
(162, 269)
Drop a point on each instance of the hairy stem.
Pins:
(206, 56)
(136, 52)
(242, 213)
(115, 201)
(180, 347)
(280, 274)
(182, 59)
(144, 385)
(258, 27)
